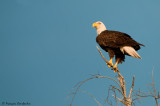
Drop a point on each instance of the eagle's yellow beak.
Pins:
(94, 24)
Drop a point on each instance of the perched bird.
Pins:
(116, 43)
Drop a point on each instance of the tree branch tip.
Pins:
(97, 47)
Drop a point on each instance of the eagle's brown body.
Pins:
(113, 41)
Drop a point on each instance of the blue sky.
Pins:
(48, 46)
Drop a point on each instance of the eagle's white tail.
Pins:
(131, 51)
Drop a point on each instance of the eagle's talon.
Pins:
(110, 64)
(115, 69)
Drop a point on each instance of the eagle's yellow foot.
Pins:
(115, 67)
(110, 63)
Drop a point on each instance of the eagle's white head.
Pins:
(99, 26)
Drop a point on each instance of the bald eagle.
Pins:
(116, 43)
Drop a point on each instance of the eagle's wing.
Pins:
(115, 39)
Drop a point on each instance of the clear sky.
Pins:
(48, 46)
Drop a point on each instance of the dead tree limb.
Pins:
(131, 87)
(126, 101)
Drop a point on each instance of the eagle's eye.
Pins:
(99, 23)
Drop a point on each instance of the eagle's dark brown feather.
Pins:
(112, 41)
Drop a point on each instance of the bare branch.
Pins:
(118, 99)
(107, 99)
(117, 89)
(131, 87)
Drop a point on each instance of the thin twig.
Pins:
(155, 95)
(117, 89)
(118, 99)
(131, 87)
(107, 99)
